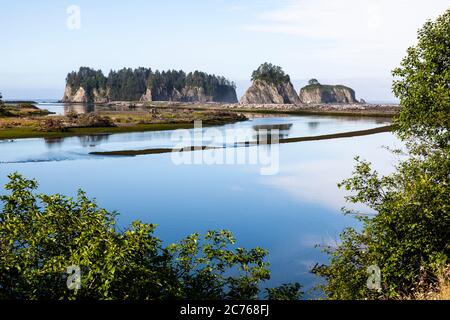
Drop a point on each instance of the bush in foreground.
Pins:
(42, 235)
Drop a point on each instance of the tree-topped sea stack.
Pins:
(315, 92)
(192, 87)
(270, 86)
(142, 84)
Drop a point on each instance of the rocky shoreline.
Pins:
(324, 108)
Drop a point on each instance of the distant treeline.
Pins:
(131, 85)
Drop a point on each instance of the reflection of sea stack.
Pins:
(270, 86)
(315, 92)
(268, 127)
(268, 131)
(78, 108)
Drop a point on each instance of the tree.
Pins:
(271, 74)
(423, 84)
(408, 237)
(313, 82)
(127, 84)
(42, 235)
(87, 78)
(131, 84)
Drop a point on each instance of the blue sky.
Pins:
(351, 42)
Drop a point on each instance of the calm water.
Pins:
(287, 213)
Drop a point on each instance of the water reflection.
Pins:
(313, 125)
(61, 109)
(79, 108)
(53, 142)
(270, 131)
(93, 140)
(90, 108)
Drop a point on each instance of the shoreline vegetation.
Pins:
(25, 125)
(132, 153)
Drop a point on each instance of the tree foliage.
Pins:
(127, 84)
(87, 78)
(270, 73)
(423, 84)
(130, 84)
(42, 235)
(408, 236)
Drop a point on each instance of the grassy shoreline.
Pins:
(110, 122)
(29, 129)
(24, 133)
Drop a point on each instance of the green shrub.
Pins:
(42, 235)
(271, 74)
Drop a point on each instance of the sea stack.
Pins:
(270, 86)
(143, 84)
(316, 93)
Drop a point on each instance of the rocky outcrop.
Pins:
(80, 95)
(263, 92)
(194, 94)
(147, 96)
(188, 94)
(161, 94)
(318, 93)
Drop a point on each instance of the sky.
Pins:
(352, 42)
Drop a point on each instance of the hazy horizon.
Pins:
(346, 42)
(372, 94)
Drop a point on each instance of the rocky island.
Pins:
(316, 93)
(145, 85)
(270, 86)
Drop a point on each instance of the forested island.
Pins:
(143, 84)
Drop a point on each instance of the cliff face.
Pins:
(161, 94)
(318, 93)
(82, 96)
(262, 92)
(227, 94)
(195, 94)
(189, 94)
